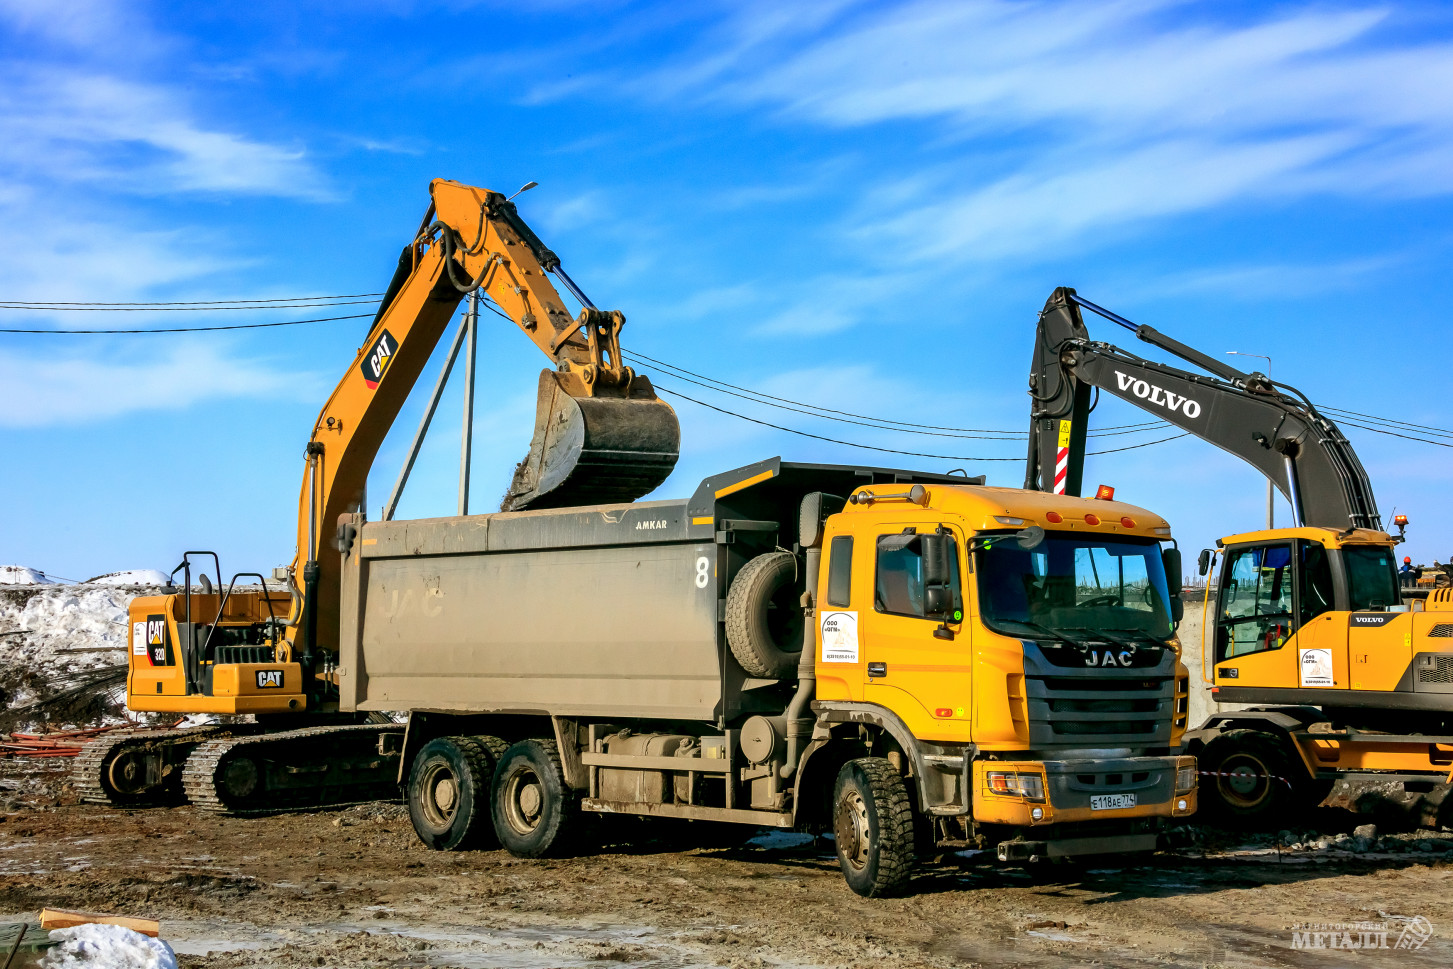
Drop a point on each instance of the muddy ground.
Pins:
(354, 887)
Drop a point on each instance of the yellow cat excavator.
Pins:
(1348, 673)
(601, 435)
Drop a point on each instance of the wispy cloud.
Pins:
(58, 388)
(1075, 119)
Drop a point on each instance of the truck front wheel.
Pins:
(873, 827)
(534, 812)
(449, 792)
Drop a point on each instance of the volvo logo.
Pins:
(1157, 395)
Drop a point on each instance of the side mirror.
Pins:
(1030, 538)
(936, 568)
(1177, 609)
(1204, 562)
(938, 601)
(1171, 559)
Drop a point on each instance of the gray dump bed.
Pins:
(600, 611)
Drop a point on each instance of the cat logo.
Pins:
(158, 644)
(269, 679)
(377, 358)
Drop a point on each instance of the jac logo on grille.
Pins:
(269, 679)
(1105, 657)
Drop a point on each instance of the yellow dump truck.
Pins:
(896, 657)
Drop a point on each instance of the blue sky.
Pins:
(859, 205)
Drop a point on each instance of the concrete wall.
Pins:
(1202, 706)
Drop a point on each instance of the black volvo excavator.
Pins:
(1343, 672)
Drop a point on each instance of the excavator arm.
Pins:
(601, 433)
(1271, 426)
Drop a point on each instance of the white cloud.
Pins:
(1076, 118)
(141, 138)
(60, 388)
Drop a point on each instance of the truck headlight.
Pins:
(1186, 777)
(1016, 784)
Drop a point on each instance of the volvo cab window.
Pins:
(1256, 601)
(1075, 588)
(1371, 577)
(901, 576)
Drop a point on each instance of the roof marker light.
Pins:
(1008, 520)
(1128, 522)
(1054, 517)
(1092, 519)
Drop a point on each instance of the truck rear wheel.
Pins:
(535, 814)
(873, 826)
(1253, 779)
(764, 615)
(449, 788)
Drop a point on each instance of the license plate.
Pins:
(1111, 802)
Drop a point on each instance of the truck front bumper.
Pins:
(1031, 794)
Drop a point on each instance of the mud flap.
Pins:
(594, 450)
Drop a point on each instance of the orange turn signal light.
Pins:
(1105, 493)
(1054, 517)
(1128, 522)
(1092, 519)
(943, 712)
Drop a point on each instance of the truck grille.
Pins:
(1068, 706)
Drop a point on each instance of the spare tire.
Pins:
(764, 615)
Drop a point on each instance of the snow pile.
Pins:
(20, 575)
(147, 577)
(107, 947)
(88, 622)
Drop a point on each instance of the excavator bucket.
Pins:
(595, 450)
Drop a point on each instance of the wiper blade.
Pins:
(1042, 630)
(1140, 634)
(1103, 633)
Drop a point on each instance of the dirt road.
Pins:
(355, 888)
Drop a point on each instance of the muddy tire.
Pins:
(448, 792)
(1254, 780)
(535, 813)
(874, 827)
(764, 616)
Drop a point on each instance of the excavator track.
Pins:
(292, 770)
(98, 778)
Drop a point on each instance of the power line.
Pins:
(198, 329)
(213, 302)
(1405, 437)
(883, 423)
(871, 447)
(1426, 428)
(32, 308)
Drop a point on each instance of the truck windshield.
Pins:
(1371, 577)
(1074, 586)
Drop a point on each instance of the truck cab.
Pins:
(1029, 640)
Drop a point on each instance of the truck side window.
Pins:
(899, 582)
(840, 571)
(1256, 601)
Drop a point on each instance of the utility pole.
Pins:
(1270, 488)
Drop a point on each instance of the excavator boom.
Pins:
(601, 433)
(1271, 426)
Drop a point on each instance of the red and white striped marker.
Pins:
(1062, 459)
